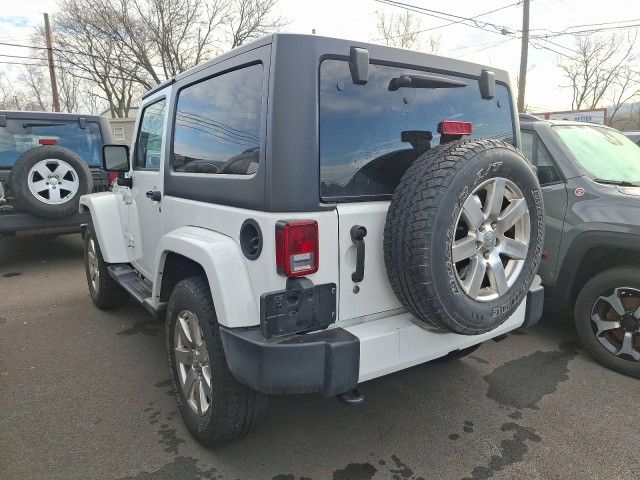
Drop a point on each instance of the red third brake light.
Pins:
(449, 127)
(297, 247)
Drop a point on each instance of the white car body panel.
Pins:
(397, 342)
(106, 210)
(222, 261)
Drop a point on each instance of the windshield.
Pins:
(370, 134)
(604, 153)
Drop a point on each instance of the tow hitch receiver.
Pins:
(352, 398)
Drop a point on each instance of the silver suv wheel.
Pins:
(53, 181)
(192, 362)
(491, 240)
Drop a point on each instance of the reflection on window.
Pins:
(370, 135)
(24, 134)
(149, 142)
(217, 128)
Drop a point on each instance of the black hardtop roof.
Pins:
(49, 115)
(324, 44)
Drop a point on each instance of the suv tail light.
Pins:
(297, 247)
(449, 127)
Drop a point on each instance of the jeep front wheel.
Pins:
(463, 235)
(607, 316)
(105, 292)
(216, 408)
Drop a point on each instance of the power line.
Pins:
(586, 25)
(450, 23)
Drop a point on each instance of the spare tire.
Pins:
(49, 180)
(463, 235)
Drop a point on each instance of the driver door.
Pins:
(146, 226)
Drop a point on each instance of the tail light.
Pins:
(449, 127)
(113, 176)
(297, 247)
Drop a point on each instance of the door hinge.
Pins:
(127, 197)
(130, 242)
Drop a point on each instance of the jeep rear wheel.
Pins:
(607, 317)
(463, 235)
(216, 408)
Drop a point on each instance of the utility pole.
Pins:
(524, 53)
(52, 69)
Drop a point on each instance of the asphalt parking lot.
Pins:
(85, 394)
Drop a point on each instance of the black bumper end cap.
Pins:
(326, 362)
(535, 304)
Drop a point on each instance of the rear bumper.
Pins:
(16, 222)
(326, 361)
(335, 360)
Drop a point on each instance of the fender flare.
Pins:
(222, 260)
(106, 221)
(578, 249)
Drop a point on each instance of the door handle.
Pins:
(358, 232)
(154, 195)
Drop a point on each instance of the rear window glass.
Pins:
(218, 124)
(24, 134)
(370, 135)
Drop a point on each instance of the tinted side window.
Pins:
(547, 170)
(149, 141)
(370, 134)
(21, 135)
(527, 145)
(217, 126)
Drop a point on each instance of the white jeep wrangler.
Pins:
(306, 215)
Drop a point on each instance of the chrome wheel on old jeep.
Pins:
(607, 317)
(49, 180)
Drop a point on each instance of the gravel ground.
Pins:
(85, 394)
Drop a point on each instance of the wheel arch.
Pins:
(105, 218)
(589, 254)
(189, 251)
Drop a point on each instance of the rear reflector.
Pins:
(449, 127)
(297, 247)
(48, 141)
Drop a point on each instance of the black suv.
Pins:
(590, 178)
(47, 161)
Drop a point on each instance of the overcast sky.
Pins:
(356, 19)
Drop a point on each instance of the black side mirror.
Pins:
(115, 158)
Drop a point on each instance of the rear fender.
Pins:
(222, 260)
(106, 221)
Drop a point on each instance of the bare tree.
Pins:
(403, 31)
(598, 66)
(625, 88)
(250, 19)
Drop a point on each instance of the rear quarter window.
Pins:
(21, 135)
(370, 135)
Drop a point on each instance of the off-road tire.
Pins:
(19, 181)
(108, 294)
(235, 409)
(628, 276)
(419, 233)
